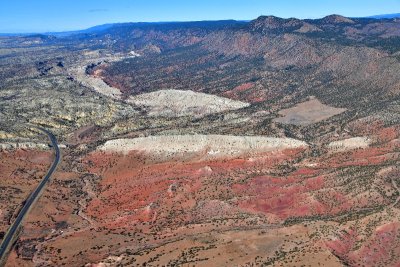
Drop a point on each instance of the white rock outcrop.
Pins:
(350, 143)
(201, 146)
(96, 83)
(176, 103)
(24, 145)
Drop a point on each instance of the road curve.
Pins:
(12, 232)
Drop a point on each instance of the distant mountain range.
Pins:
(386, 16)
(94, 29)
(103, 27)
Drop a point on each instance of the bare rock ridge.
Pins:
(208, 146)
(175, 103)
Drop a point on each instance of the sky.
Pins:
(21, 16)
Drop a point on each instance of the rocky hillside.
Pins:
(343, 61)
(273, 142)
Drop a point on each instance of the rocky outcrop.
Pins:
(205, 146)
(350, 143)
(176, 103)
(23, 145)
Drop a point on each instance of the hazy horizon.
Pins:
(176, 21)
(21, 16)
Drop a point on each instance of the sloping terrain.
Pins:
(274, 142)
(271, 55)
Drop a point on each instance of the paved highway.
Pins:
(12, 232)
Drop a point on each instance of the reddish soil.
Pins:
(249, 92)
(154, 191)
(379, 249)
(20, 172)
(329, 209)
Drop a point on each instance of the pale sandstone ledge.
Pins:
(78, 71)
(23, 145)
(96, 83)
(206, 146)
(6, 135)
(350, 144)
(175, 103)
(27, 146)
(109, 261)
